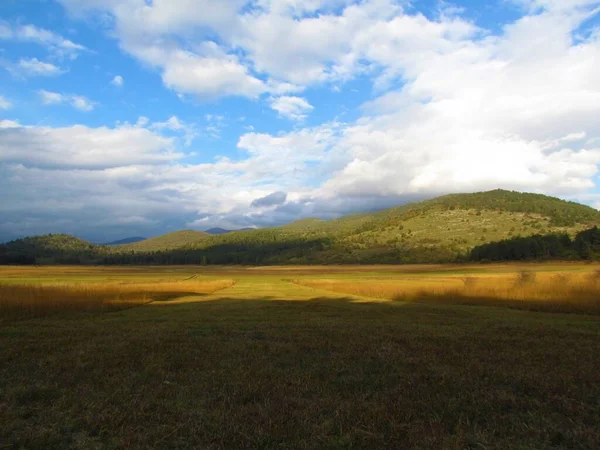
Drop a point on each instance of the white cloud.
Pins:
(510, 111)
(5, 104)
(51, 98)
(9, 124)
(209, 76)
(458, 108)
(294, 108)
(174, 124)
(33, 67)
(72, 178)
(533, 5)
(117, 81)
(80, 147)
(81, 103)
(76, 101)
(282, 41)
(55, 43)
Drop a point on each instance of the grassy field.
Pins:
(18, 301)
(526, 289)
(340, 358)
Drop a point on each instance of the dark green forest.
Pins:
(585, 246)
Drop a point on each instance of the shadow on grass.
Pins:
(320, 372)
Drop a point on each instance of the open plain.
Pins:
(440, 356)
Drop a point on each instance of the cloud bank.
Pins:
(454, 107)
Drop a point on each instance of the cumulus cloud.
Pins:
(294, 108)
(457, 108)
(273, 199)
(510, 111)
(281, 41)
(209, 76)
(80, 147)
(117, 81)
(72, 178)
(76, 101)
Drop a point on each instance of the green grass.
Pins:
(268, 364)
(164, 242)
(459, 229)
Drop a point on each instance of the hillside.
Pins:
(439, 230)
(49, 248)
(164, 242)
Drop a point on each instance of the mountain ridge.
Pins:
(442, 229)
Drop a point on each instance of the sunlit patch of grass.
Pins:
(552, 292)
(34, 300)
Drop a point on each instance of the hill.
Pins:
(164, 242)
(129, 240)
(443, 229)
(49, 249)
(438, 230)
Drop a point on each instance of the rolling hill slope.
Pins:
(439, 230)
(165, 241)
(49, 248)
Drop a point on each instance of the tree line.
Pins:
(271, 247)
(585, 246)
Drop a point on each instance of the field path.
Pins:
(272, 288)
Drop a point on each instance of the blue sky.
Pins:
(135, 117)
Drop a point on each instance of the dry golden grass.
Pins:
(34, 300)
(552, 292)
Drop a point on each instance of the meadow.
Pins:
(331, 357)
(523, 289)
(45, 296)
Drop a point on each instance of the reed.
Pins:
(559, 292)
(34, 300)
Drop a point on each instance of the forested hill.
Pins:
(560, 212)
(49, 249)
(439, 230)
(165, 242)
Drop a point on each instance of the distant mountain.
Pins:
(217, 230)
(129, 240)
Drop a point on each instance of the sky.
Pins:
(140, 117)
